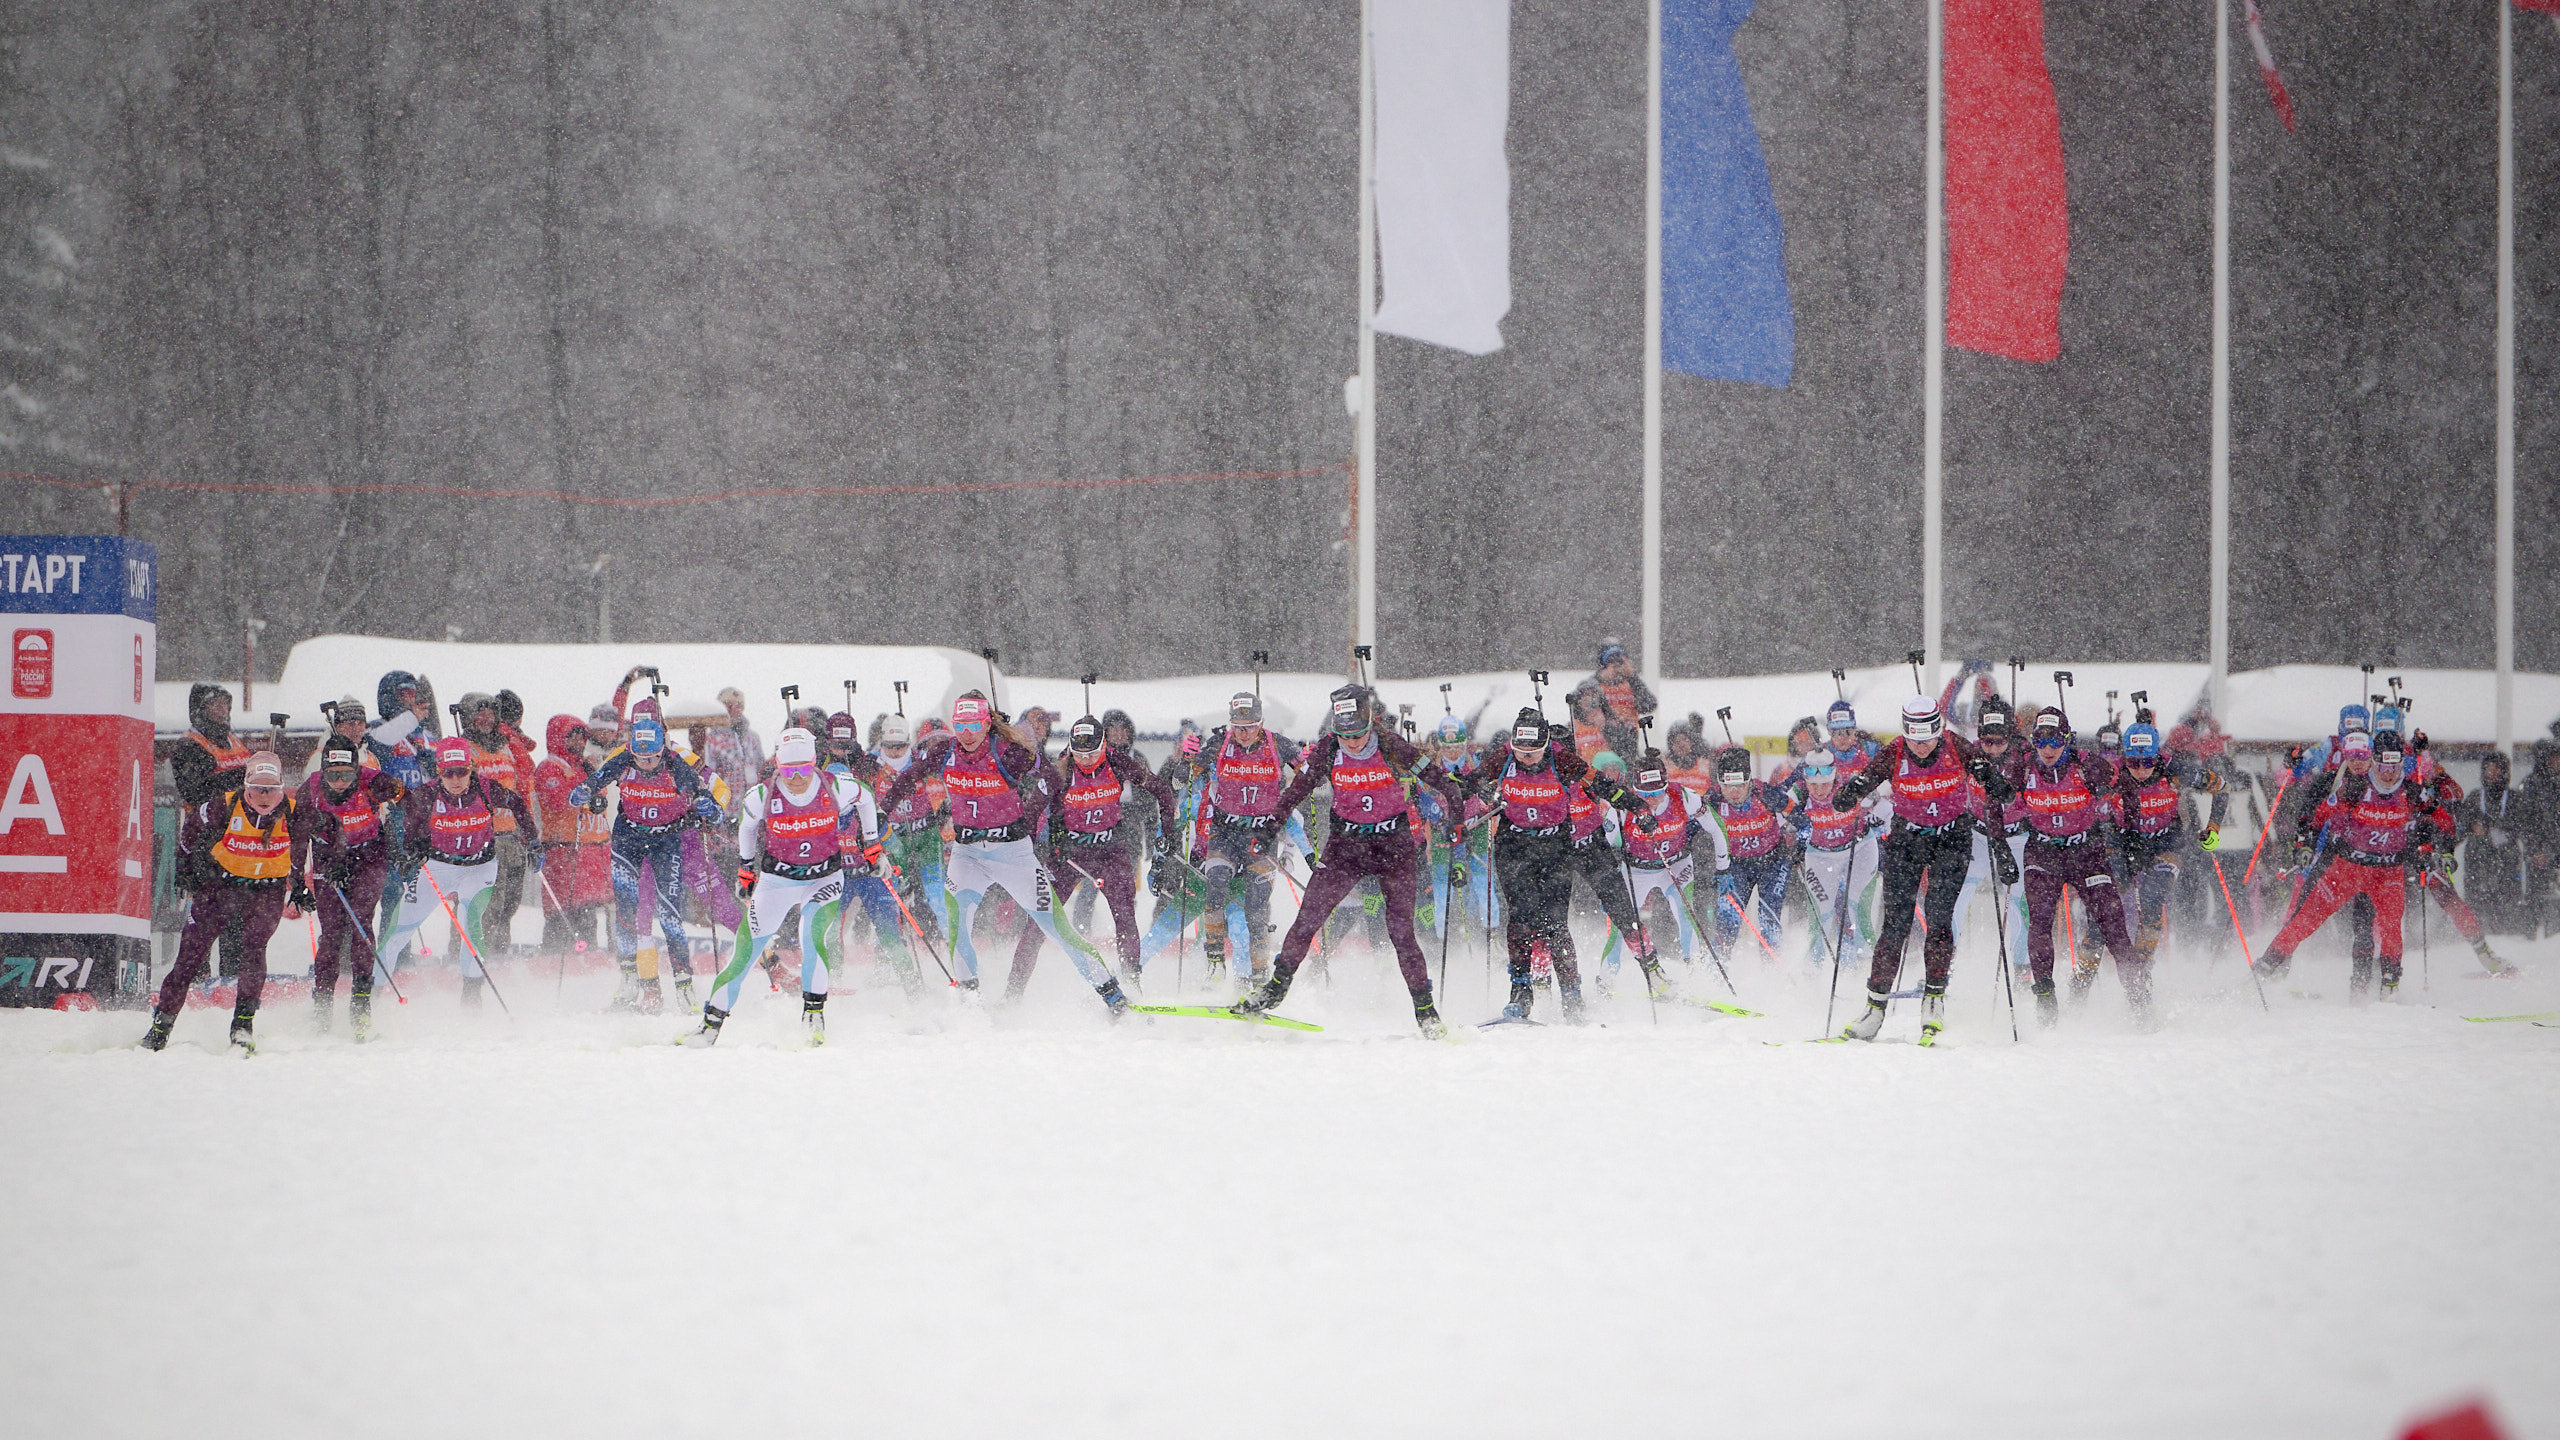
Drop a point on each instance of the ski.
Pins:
(2536, 1018)
(1507, 1020)
(1717, 1005)
(1220, 1012)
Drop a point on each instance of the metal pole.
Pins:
(1933, 384)
(2220, 660)
(1652, 618)
(2506, 561)
(1364, 560)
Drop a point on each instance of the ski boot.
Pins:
(2272, 965)
(1266, 996)
(2048, 1009)
(626, 996)
(2146, 939)
(472, 985)
(649, 999)
(709, 1034)
(2489, 960)
(2390, 981)
(1933, 1016)
(2084, 973)
(685, 1000)
(324, 1011)
(1569, 996)
(360, 1018)
(1657, 981)
(1869, 1025)
(813, 1017)
(2137, 992)
(242, 1040)
(1524, 998)
(157, 1037)
(2360, 980)
(1116, 998)
(1426, 1016)
(1129, 978)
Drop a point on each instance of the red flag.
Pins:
(2008, 230)
(2469, 1422)
(2267, 63)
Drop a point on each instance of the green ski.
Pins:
(1713, 1005)
(1220, 1012)
(2536, 1018)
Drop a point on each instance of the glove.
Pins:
(868, 862)
(746, 881)
(1979, 767)
(1163, 848)
(2211, 839)
(299, 898)
(1627, 803)
(1724, 868)
(2003, 863)
(706, 809)
(533, 858)
(1190, 744)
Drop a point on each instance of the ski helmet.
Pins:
(1350, 709)
(1820, 768)
(1840, 718)
(386, 694)
(1451, 730)
(1244, 709)
(1085, 736)
(843, 729)
(2388, 718)
(1652, 775)
(894, 730)
(2388, 749)
(1921, 720)
(2355, 742)
(795, 747)
(453, 751)
(2142, 742)
(1733, 766)
(1528, 729)
(2354, 717)
(648, 735)
(265, 771)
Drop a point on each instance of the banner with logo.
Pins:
(81, 615)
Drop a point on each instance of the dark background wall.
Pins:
(633, 249)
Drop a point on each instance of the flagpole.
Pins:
(1652, 620)
(2506, 560)
(1933, 383)
(2221, 547)
(1365, 431)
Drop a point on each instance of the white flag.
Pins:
(1444, 186)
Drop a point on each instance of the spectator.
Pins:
(1622, 693)
(2539, 808)
(2493, 853)
(1592, 730)
(604, 732)
(214, 762)
(1035, 725)
(406, 704)
(736, 754)
(577, 870)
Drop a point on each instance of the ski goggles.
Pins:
(968, 727)
(2051, 740)
(797, 770)
(464, 769)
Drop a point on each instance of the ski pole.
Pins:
(377, 959)
(911, 924)
(559, 990)
(2426, 972)
(1747, 923)
(2000, 919)
(2243, 935)
(2272, 805)
(1707, 936)
(1839, 935)
(467, 942)
(1646, 962)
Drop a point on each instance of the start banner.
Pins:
(81, 614)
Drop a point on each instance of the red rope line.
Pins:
(645, 502)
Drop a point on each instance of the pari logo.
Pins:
(31, 664)
(59, 972)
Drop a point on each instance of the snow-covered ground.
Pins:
(2310, 1221)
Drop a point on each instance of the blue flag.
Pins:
(1725, 311)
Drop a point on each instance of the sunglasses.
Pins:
(453, 769)
(2049, 742)
(798, 769)
(268, 792)
(969, 727)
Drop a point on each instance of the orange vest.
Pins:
(255, 850)
(499, 767)
(228, 757)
